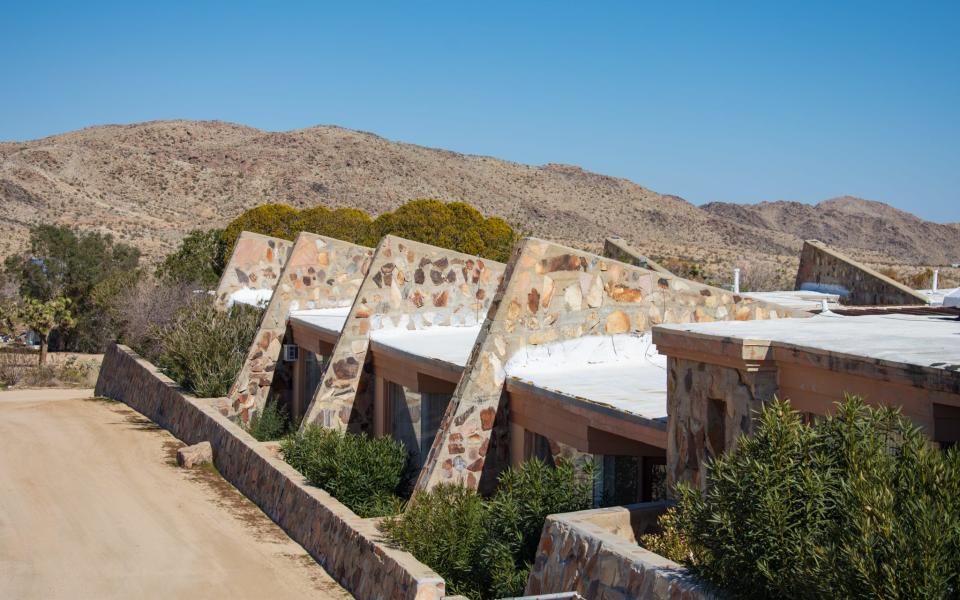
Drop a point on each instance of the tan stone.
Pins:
(197, 454)
(617, 322)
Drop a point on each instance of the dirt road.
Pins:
(92, 505)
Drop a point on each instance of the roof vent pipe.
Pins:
(936, 279)
(736, 281)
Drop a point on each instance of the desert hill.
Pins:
(854, 223)
(150, 183)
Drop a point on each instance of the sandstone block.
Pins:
(189, 456)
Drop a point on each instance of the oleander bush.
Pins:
(858, 505)
(483, 548)
(365, 474)
(271, 423)
(202, 347)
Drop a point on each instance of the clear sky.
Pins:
(718, 101)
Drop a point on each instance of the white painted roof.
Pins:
(331, 319)
(796, 299)
(926, 340)
(937, 298)
(624, 372)
(250, 296)
(449, 344)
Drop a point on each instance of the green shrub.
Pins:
(860, 505)
(484, 548)
(447, 529)
(454, 225)
(203, 348)
(197, 261)
(269, 424)
(365, 474)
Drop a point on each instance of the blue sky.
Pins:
(714, 101)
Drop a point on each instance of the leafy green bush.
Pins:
(197, 261)
(269, 424)
(203, 348)
(454, 225)
(365, 474)
(447, 529)
(860, 505)
(69, 263)
(484, 548)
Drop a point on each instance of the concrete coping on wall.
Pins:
(618, 248)
(350, 548)
(595, 553)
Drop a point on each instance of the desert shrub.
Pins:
(197, 261)
(366, 474)
(268, 219)
(860, 505)
(269, 424)
(484, 548)
(447, 529)
(203, 348)
(148, 306)
(348, 224)
(455, 225)
(758, 276)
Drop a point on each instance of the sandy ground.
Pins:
(92, 505)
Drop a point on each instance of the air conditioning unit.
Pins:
(291, 352)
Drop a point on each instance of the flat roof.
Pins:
(926, 340)
(450, 344)
(936, 297)
(623, 372)
(808, 300)
(328, 319)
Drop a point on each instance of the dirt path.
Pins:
(91, 507)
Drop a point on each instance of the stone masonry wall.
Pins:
(617, 248)
(409, 285)
(709, 406)
(321, 272)
(346, 545)
(826, 270)
(595, 553)
(256, 263)
(554, 293)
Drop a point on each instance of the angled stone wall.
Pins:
(321, 272)
(255, 264)
(617, 248)
(347, 546)
(825, 270)
(595, 553)
(553, 293)
(409, 285)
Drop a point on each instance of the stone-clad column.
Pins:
(255, 264)
(553, 293)
(409, 285)
(321, 272)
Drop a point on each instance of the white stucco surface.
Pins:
(449, 344)
(938, 298)
(624, 372)
(331, 319)
(926, 340)
(796, 299)
(250, 296)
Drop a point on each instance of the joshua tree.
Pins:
(44, 317)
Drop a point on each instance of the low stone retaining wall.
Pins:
(342, 542)
(595, 553)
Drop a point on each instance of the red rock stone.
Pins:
(487, 417)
